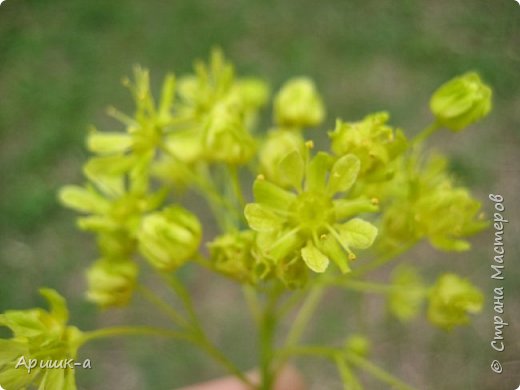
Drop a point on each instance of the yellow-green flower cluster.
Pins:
(116, 220)
(310, 208)
(375, 143)
(424, 202)
(38, 336)
(216, 113)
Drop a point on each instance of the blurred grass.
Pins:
(60, 66)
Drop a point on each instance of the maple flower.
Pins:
(306, 221)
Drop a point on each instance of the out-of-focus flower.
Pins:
(111, 283)
(407, 293)
(169, 237)
(43, 336)
(426, 204)
(358, 344)
(451, 300)
(298, 104)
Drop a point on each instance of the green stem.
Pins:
(214, 197)
(290, 302)
(358, 285)
(309, 350)
(266, 350)
(252, 303)
(267, 335)
(380, 261)
(165, 308)
(184, 295)
(235, 183)
(304, 315)
(377, 372)
(350, 381)
(131, 331)
(427, 132)
(199, 336)
(206, 345)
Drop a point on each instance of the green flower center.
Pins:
(312, 210)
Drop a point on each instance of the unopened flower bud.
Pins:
(461, 101)
(298, 104)
(111, 283)
(168, 238)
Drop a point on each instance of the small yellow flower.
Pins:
(309, 224)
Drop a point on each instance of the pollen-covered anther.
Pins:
(260, 177)
(375, 201)
(309, 144)
(352, 256)
(323, 237)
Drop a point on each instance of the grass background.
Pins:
(60, 66)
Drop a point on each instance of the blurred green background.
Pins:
(60, 66)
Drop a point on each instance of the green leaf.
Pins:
(357, 233)
(314, 258)
(269, 194)
(260, 218)
(343, 174)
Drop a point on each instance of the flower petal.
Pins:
(314, 258)
(357, 233)
(260, 218)
(343, 174)
(317, 172)
(269, 194)
(291, 168)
